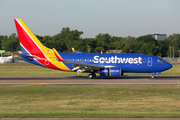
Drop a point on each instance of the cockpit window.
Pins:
(161, 60)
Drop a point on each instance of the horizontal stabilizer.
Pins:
(27, 56)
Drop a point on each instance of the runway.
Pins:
(84, 81)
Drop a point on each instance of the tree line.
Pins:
(67, 39)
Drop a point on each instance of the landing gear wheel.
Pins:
(92, 76)
(152, 76)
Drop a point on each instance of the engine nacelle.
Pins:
(108, 72)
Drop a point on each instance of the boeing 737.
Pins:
(107, 65)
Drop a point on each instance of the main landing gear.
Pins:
(92, 76)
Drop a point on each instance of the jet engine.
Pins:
(113, 71)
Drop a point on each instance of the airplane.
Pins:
(104, 64)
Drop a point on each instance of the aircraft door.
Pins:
(46, 62)
(149, 62)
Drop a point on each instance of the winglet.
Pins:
(57, 55)
(73, 50)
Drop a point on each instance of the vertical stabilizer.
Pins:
(28, 41)
(31, 46)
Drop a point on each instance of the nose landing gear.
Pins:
(152, 76)
(155, 73)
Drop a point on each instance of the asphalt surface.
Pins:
(84, 81)
(89, 119)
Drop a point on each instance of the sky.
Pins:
(120, 18)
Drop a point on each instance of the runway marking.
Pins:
(26, 85)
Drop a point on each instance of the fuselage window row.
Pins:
(89, 60)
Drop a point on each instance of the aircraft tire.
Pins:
(152, 76)
(92, 76)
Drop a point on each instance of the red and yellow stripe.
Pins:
(57, 55)
(34, 47)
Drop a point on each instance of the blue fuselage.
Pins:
(137, 63)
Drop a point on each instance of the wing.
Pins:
(81, 66)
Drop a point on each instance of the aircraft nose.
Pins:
(168, 65)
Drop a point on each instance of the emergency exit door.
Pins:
(149, 62)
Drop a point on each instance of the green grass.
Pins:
(90, 102)
(27, 69)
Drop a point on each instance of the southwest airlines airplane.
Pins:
(35, 52)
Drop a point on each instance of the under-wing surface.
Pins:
(35, 52)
